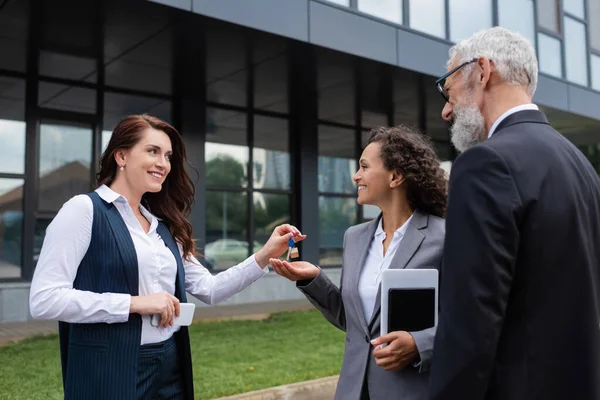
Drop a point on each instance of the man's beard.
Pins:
(468, 128)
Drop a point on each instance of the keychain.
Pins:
(292, 250)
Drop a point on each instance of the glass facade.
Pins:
(266, 117)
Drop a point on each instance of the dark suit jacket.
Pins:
(520, 283)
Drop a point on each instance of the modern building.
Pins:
(274, 99)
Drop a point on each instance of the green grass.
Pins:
(229, 357)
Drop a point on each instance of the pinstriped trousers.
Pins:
(159, 376)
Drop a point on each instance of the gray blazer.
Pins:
(421, 247)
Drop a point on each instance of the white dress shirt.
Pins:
(375, 263)
(509, 112)
(67, 240)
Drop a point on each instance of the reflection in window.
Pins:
(437, 127)
(428, 16)
(271, 169)
(226, 229)
(375, 94)
(12, 137)
(335, 80)
(14, 27)
(117, 106)
(270, 71)
(337, 161)
(226, 150)
(336, 215)
(226, 64)
(576, 52)
(106, 135)
(64, 170)
(466, 18)
(67, 98)
(270, 210)
(575, 7)
(11, 227)
(521, 21)
(548, 15)
(390, 10)
(138, 47)
(549, 55)
(67, 66)
(340, 2)
(594, 24)
(406, 94)
(595, 71)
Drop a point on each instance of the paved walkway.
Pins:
(11, 332)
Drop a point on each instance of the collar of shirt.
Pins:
(509, 112)
(110, 196)
(398, 232)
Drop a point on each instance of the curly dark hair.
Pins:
(411, 154)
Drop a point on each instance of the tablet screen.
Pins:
(411, 309)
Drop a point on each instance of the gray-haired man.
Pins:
(520, 283)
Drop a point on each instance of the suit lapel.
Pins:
(361, 250)
(406, 250)
(166, 236)
(126, 248)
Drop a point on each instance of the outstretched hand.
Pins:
(277, 244)
(295, 271)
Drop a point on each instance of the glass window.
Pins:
(67, 66)
(340, 2)
(67, 98)
(376, 94)
(12, 125)
(428, 16)
(595, 72)
(594, 24)
(270, 210)
(576, 52)
(575, 8)
(11, 227)
(549, 55)
(12, 137)
(226, 229)
(14, 27)
(517, 15)
(406, 97)
(336, 215)
(390, 10)
(226, 70)
(226, 150)
(117, 106)
(271, 157)
(68, 26)
(64, 170)
(466, 19)
(436, 126)
(548, 15)
(335, 81)
(270, 71)
(138, 47)
(337, 160)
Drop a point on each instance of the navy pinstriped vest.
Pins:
(99, 361)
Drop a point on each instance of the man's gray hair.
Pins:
(512, 55)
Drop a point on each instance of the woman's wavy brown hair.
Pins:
(174, 202)
(412, 155)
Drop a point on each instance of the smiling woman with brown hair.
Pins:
(113, 258)
(399, 173)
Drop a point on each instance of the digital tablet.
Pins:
(409, 300)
